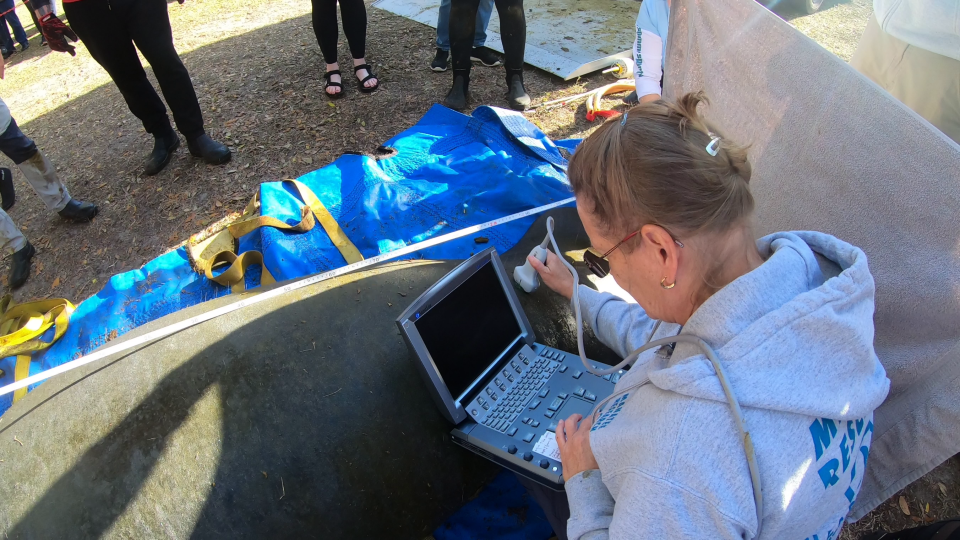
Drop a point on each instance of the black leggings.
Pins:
(110, 29)
(354, 27)
(513, 32)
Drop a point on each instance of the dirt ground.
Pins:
(258, 71)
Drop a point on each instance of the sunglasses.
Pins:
(599, 265)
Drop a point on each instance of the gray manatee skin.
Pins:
(298, 417)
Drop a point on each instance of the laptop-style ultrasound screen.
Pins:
(469, 329)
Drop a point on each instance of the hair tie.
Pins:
(623, 120)
(714, 147)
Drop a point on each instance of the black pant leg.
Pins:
(463, 21)
(513, 32)
(111, 46)
(149, 25)
(354, 18)
(325, 28)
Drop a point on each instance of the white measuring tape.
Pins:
(176, 327)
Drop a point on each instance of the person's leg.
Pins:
(33, 16)
(443, 26)
(483, 21)
(325, 28)
(148, 23)
(37, 169)
(353, 15)
(463, 19)
(6, 42)
(18, 31)
(112, 47)
(553, 503)
(324, 15)
(922, 80)
(11, 239)
(513, 33)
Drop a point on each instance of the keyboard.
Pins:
(514, 389)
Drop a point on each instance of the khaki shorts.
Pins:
(926, 82)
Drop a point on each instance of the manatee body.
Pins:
(300, 416)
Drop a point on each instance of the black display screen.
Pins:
(469, 329)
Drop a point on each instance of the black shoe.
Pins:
(7, 53)
(631, 98)
(20, 266)
(212, 152)
(485, 56)
(79, 211)
(460, 91)
(24, 47)
(517, 96)
(7, 194)
(163, 148)
(439, 63)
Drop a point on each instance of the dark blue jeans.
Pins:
(443, 24)
(14, 22)
(15, 145)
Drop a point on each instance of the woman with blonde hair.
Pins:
(755, 420)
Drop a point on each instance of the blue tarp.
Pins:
(503, 511)
(450, 171)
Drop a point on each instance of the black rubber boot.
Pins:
(163, 147)
(459, 93)
(209, 150)
(20, 266)
(79, 211)
(517, 96)
(7, 194)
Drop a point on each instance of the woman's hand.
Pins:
(554, 274)
(574, 443)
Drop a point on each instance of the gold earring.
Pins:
(665, 286)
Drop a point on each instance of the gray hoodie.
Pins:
(798, 350)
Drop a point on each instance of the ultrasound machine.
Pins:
(482, 366)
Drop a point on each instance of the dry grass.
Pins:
(257, 70)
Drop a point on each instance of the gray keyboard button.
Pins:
(543, 393)
(534, 404)
(563, 369)
(528, 437)
(555, 405)
(535, 423)
(579, 392)
(590, 396)
(512, 432)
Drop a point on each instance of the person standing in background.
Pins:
(36, 21)
(8, 8)
(911, 48)
(513, 33)
(354, 15)
(480, 53)
(650, 50)
(113, 31)
(42, 177)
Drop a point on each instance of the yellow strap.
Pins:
(233, 276)
(330, 225)
(221, 248)
(22, 371)
(22, 325)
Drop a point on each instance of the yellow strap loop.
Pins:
(22, 325)
(221, 248)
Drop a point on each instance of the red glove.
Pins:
(57, 33)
